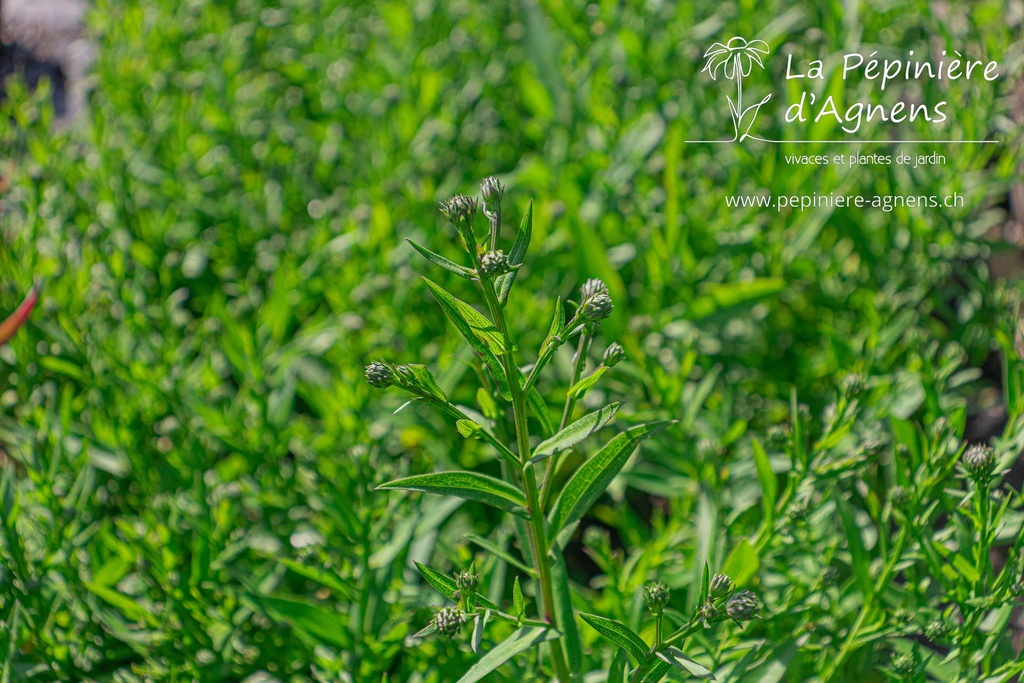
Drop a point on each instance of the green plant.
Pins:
(545, 514)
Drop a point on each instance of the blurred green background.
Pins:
(189, 449)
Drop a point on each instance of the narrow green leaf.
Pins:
(446, 585)
(315, 622)
(539, 408)
(769, 484)
(131, 609)
(516, 255)
(503, 555)
(617, 671)
(574, 433)
(859, 555)
(479, 333)
(620, 634)
(321, 576)
(518, 601)
(742, 563)
(479, 623)
(557, 322)
(564, 612)
(678, 659)
(594, 476)
(468, 485)
(656, 670)
(580, 389)
(439, 260)
(520, 641)
(705, 583)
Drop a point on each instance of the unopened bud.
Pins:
(742, 606)
(492, 191)
(379, 375)
(720, 586)
(597, 307)
(707, 613)
(459, 209)
(656, 596)
(613, 354)
(449, 621)
(494, 263)
(980, 462)
(592, 288)
(467, 581)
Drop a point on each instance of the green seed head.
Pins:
(613, 354)
(592, 288)
(980, 462)
(742, 606)
(1017, 589)
(449, 621)
(656, 596)
(898, 496)
(493, 263)
(492, 191)
(853, 384)
(597, 307)
(936, 631)
(379, 375)
(720, 586)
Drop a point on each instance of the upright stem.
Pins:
(579, 361)
(739, 96)
(537, 522)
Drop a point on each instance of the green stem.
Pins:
(579, 362)
(537, 522)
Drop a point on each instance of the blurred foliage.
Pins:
(189, 448)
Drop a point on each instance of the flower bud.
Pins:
(656, 596)
(707, 613)
(904, 665)
(459, 209)
(597, 307)
(492, 191)
(898, 496)
(613, 354)
(742, 606)
(448, 621)
(980, 462)
(592, 288)
(1017, 589)
(466, 581)
(493, 263)
(720, 586)
(937, 631)
(379, 375)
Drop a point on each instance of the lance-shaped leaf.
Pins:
(419, 376)
(446, 586)
(574, 433)
(468, 485)
(516, 255)
(580, 389)
(518, 601)
(481, 334)
(439, 260)
(17, 319)
(620, 634)
(500, 553)
(562, 603)
(520, 641)
(678, 659)
(594, 476)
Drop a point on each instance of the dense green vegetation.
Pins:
(190, 450)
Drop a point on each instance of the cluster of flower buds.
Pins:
(449, 621)
(980, 462)
(466, 582)
(724, 602)
(493, 263)
(853, 384)
(656, 596)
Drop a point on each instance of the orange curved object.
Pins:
(16, 319)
